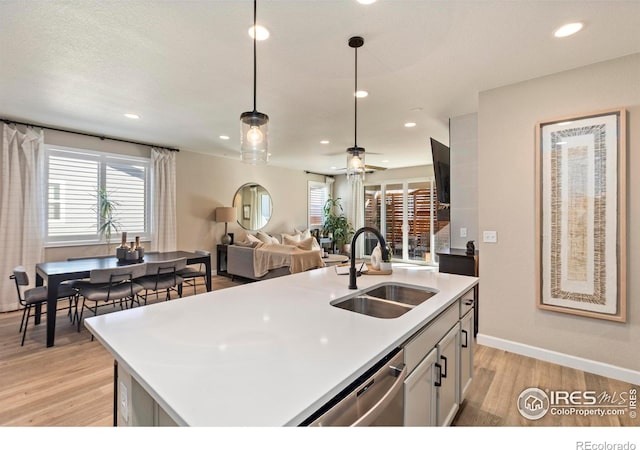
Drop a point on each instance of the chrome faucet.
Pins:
(352, 269)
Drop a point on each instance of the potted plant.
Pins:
(106, 211)
(336, 224)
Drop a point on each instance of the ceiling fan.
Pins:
(367, 167)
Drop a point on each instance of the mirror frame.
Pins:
(243, 209)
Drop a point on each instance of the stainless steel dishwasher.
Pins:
(374, 399)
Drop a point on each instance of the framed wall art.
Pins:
(581, 215)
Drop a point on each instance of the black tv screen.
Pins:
(440, 153)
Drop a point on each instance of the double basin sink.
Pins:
(387, 301)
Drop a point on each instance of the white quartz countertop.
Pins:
(268, 353)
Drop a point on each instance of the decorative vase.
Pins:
(385, 266)
(121, 253)
(376, 257)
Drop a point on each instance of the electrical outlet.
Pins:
(463, 232)
(124, 402)
(490, 236)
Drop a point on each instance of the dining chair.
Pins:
(190, 274)
(111, 286)
(161, 276)
(38, 295)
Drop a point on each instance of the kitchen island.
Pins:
(262, 354)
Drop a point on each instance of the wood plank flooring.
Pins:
(71, 384)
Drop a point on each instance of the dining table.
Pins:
(56, 272)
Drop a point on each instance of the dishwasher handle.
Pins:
(400, 371)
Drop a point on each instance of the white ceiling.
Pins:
(186, 68)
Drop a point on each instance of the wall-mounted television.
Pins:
(440, 153)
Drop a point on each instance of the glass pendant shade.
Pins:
(254, 137)
(355, 163)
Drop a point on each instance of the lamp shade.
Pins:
(355, 163)
(254, 137)
(225, 214)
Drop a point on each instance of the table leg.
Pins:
(207, 266)
(52, 300)
(39, 282)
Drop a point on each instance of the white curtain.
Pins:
(21, 208)
(357, 211)
(163, 190)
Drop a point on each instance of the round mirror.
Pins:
(253, 206)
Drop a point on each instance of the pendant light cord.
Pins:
(355, 96)
(255, 36)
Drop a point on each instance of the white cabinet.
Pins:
(466, 353)
(420, 394)
(439, 360)
(447, 377)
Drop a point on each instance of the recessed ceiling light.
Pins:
(333, 167)
(262, 35)
(385, 160)
(568, 29)
(410, 124)
(366, 2)
(224, 137)
(324, 142)
(361, 94)
(132, 116)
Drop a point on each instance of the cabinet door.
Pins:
(419, 394)
(449, 377)
(466, 353)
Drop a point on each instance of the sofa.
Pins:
(257, 259)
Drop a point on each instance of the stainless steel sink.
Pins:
(400, 293)
(387, 301)
(374, 307)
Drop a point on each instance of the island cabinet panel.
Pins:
(135, 407)
(447, 406)
(420, 394)
(466, 353)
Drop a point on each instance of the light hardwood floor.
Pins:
(71, 384)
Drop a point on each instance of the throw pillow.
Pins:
(306, 234)
(252, 238)
(306, 244)
(290, 240)
(264, 237)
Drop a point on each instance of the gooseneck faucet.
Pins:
(352, 269)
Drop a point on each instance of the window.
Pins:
(74, 178)
(318, 195)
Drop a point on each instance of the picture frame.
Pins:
(581, 215)
(246, 212)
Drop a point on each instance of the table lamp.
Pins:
(225, 214)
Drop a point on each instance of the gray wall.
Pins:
(507, 118)
(464, 179)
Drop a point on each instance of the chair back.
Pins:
(118, 274)
(170, 266)
(21, 279)
(20, 276)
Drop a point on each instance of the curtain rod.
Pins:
(10, 121)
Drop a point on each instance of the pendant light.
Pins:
(355, 154)
(254, 125)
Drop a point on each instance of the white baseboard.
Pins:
(563, 359)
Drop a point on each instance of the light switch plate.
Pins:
(490, 236)
(463, 232)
